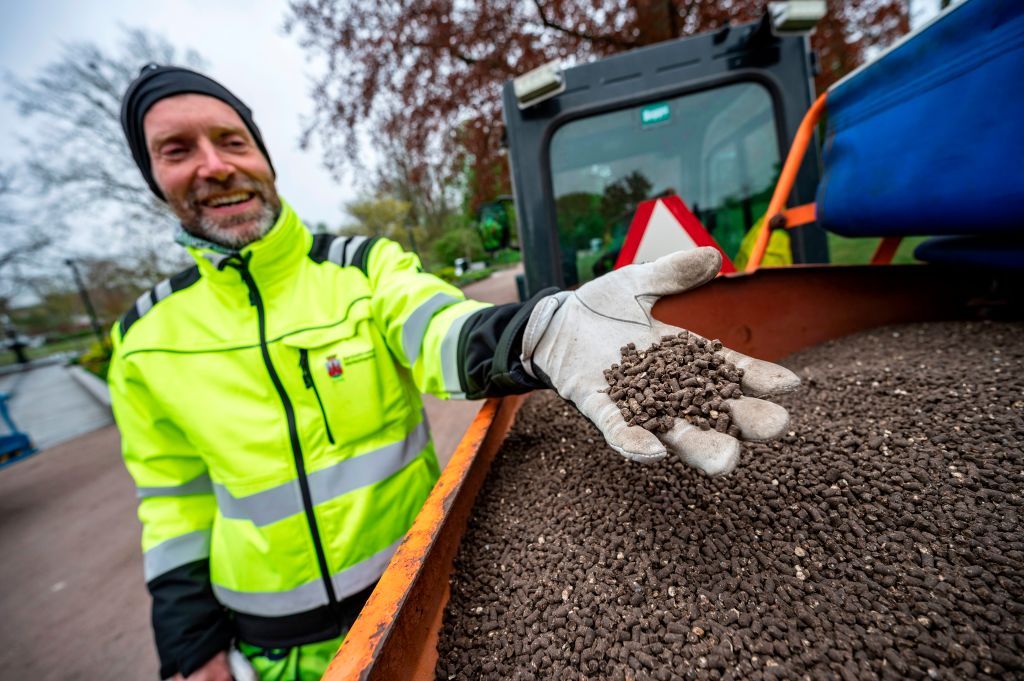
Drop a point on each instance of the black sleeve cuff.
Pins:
(189, 625)
(490, 344)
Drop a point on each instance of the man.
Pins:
(268, 397)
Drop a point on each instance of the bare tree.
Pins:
(433, 199)
(79, 172)
(382, 216)
(19, 241)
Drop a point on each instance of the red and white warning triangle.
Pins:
(662, 226)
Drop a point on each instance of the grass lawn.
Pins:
(845, 251)
(76, 345)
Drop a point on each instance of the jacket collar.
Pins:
(274, 256)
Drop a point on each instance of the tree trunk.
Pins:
(657, 21)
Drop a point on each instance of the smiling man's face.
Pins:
(214, 177)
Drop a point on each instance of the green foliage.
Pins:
(621, 197)
(448, 274)
(579, 219)
(474, 275)
(507, 256)
(97, 358)
(493, 225)
(584, 216)
(73, 344)
(384, 216)
(458, 242)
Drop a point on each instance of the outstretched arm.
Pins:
(456, 348)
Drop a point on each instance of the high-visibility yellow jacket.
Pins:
(269, 407)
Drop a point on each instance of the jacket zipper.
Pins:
(307, 500)
(307, 378)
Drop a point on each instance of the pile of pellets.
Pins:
(684, 376)
(879, 538)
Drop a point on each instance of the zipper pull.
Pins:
(307, 375)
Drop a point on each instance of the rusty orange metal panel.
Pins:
(777, 311)
(395, 636)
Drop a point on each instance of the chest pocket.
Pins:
(339, 369)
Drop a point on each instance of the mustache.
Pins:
(209, 188)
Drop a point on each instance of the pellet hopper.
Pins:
(923, 142)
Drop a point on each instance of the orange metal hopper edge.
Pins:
(769, 314)
(395, 636)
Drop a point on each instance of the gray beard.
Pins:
(217, 233)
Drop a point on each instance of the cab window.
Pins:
(718, 150)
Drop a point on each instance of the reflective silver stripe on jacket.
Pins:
(176, 552)
(198, 485)
(343, 249)
(274, 603)
(415, 327)
(145, 302)
(285, 500)
(310, 595)
(162, 290)
(351, 474)
(357, 577)
(262, 508)
(450, 358)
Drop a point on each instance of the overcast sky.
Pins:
(244, 46)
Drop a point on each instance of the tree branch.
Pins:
(605, 39)
(447, 48)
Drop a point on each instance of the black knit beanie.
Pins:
(156, 82)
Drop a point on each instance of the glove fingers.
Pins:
(681, 271)
(708, 450)
(758, 419)
(633, 442)
(760, 378)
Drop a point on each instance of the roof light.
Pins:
(539, 84)
(795, 17)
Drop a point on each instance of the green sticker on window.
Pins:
(653, 114)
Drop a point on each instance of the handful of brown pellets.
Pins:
(685, 376)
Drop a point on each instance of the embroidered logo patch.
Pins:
(334, 368)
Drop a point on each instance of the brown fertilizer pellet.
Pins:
(879, 538)
(684, 376)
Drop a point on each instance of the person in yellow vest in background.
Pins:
(269, 396)
(778, 253)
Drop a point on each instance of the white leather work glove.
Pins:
(573, 336)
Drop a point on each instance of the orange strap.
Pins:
(800, 215)
(804, 135)
(886, 250)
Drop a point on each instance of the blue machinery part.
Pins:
(14, 445)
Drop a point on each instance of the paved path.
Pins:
(51, 406)
(73, 604)
(73, 599)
